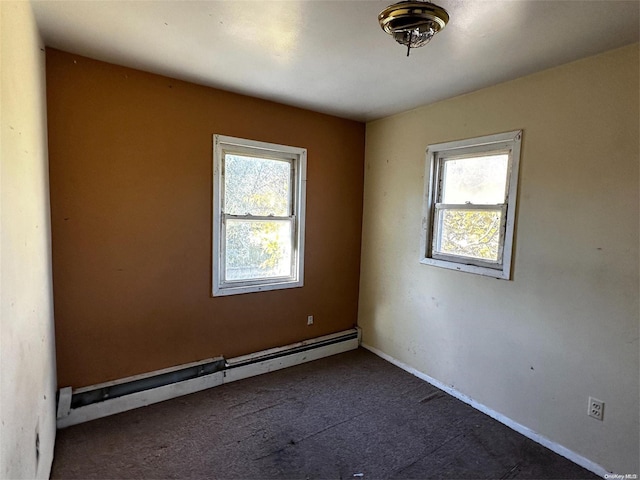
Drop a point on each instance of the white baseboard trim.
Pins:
(238, 368)
(526, 431)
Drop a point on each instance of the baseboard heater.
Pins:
(97, 401)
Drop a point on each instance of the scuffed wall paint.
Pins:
(566, 328)
(131, 209)
(27, 356)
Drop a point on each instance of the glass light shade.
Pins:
(413, 38)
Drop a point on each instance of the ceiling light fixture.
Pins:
(413, 23)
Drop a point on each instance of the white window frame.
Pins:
(222, 145)
(437, 154)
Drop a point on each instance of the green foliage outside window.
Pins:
(470, 233)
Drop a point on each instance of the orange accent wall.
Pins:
(131, 209)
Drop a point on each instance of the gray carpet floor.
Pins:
(350, 416)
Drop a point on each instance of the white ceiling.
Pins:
(332, 56)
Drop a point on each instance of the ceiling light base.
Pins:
(413, 23)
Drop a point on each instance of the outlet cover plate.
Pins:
(596, 408)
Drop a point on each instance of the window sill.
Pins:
(499, 273)
(230, 289)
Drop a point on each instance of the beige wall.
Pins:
(566, 327)
(27, 375)
(131, 209)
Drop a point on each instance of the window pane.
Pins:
(468, 233)
(477, 180)
(257, 249)
(256, 186)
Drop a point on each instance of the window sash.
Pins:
(245, 152)
(444, 157)
(291, 201)
(436, 223)
(257, 281)
(437, 234)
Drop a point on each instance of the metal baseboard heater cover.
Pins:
(97, 401)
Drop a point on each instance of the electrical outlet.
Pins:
(310, 320)
(596, 408)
